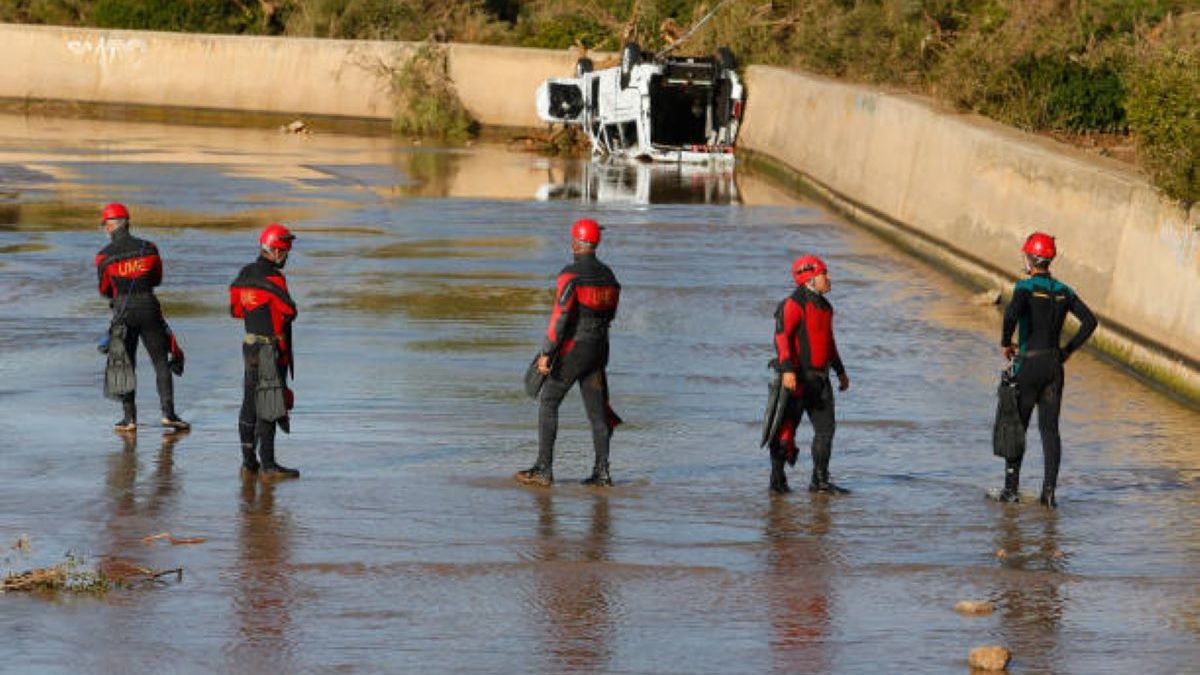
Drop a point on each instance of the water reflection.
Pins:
(798, 585)
(263, 593)
(126, 509)
(573, 603)
(639, 183)
(1030, 599)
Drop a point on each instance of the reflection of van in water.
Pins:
(637, 183)
(664, 109)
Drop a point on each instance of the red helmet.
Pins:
(806, 267)
(586, 230)
(276, 236)
(114, 211)
(1040, 245)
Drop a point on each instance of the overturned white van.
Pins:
(662, 109)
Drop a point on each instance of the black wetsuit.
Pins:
(128, 269)
(1039, 307)
(577, 343)
(259, 296)
(805, 346)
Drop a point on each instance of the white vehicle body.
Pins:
(672, 109)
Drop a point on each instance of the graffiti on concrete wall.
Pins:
(108, 50)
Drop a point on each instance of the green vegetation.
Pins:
(1164, 110)
(1071, 66)
(427, 103)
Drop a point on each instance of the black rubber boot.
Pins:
(821, 483)
(1012, 482)
(779, 484)
(249, 461)
(599, 477)
(171, 421)
(1047, 499)
(270, 470)
(129, 421)
(536, 475)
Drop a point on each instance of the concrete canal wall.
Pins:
(967, 191)
(293, 76)
(955, 188)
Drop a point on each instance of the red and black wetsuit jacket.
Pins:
(129, 268)
(585, 303)
(259, 295)
(804, 342)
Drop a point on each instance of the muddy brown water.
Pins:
(423, 276)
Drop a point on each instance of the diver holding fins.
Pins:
(128, 270)
(575, 349)
(1039, 306)
(805, 353)
(259, 296)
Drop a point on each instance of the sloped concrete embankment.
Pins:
(966, 192)
(957, 189)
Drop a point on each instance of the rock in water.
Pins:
(974, 607)
(993, 657)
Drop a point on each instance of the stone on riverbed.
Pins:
(974, 607)
(992, 657)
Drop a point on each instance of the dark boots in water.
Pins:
(171, 421)
(779, 484)
(537, 475)
(1012, 482)
(1047, 499)
(599, 477)
(249, 458)
(820, 481)
(249, 461)
(270, 470)
(129, 421)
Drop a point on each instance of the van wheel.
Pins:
(583, 67)
(725, 59)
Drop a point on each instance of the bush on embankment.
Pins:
(427, 103)
(1076, 66)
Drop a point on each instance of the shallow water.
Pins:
(423, 278)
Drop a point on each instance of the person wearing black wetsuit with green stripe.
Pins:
(1039, 306)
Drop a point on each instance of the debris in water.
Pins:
(172, 540)
(22, 544)
(1001, 553)
(974, 607)
(993, 657)
(295, 127)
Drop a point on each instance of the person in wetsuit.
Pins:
(259, 296)
(1040, 303)
(575, 349)
(128, 269)
(805, 352)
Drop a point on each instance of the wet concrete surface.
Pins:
(423, 277)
